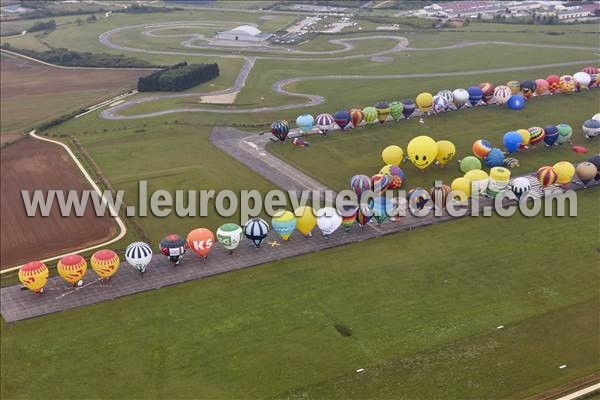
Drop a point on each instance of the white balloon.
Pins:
(520, 186)
(596, 117)
(583, 79)
(138, 255)
(328, 220)
(461, 96)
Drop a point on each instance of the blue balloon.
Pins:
(305, 122)
(475, 95)
(550, 135)
(409, 108)
(342, 118)
(516, 102)
(494, 158)
(512, 140)
(382, 208)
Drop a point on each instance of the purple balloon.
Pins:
(409, 108)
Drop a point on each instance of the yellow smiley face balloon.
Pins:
(422, 151)
(445, 152)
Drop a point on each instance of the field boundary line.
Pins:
(580, 393)
(120, 223)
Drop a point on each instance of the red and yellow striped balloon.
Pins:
(439, 195)
(536, 135)
(72, 268)
(356, 116)
(105, 263)
(547, 176)
(34, 276)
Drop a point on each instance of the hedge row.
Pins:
(178, 77)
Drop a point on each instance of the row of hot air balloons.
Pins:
(513, 94)
(71, 268)
(562, 172)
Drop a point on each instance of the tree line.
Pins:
(178, 77)
(70, 58)
(43, 26)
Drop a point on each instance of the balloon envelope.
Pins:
(421, 151)
(512, 140)
(324, 122)
(71, 268)
(201, 241)
(256, 231)
(105, 263)
(586, 171)
(328, 220)
(481, 148)
(396, 109)
(34, 276)
(138, 255)
(475, 95)
(550, 135)
(424, 101)
(469, 163)
(382, 208)
(461, 96)
(356, 117)
(284, 223)
(305, 122)
(547, 176)
(516, 102)
(591, 128)
(564, 133)
(564, 172)
(229, 235)
(360, 184)
(495, 158)
(280, 129)
(305, 219)
(520, 186)
(408, 108)
(502, 93)
(342, 118)
(446, 151)
(392, 155)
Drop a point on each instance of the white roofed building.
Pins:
(244, 33)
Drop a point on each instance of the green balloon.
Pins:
(564, 133)
(396, 109)
(469, 163)
(370, 114)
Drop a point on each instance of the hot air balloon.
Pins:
(439, 196)
(72, 268)
(305, 122)
(596, 161)
(512, 141)
(564, 172)
(419, 199)
(586, 171)
(579, 149)
(479, 180)
(536, 135)
(421, 151)
(502, 93)
(520, 187)
(396, 109)
(567, 84)
(408, 108)
(547, 176)
(280, 129)
(360, 184)
(510, 162)
(475, 95)
(305, 220)
(381, 208)
(356, 117)
(498, 182)
(380, 183)
(324, 122)
(515, 86)
(342, 118)
(201, 241)
(541, 87)
(105, 263)
(527, 88)
(481, 148)
(364, 214)
(34, 276)
(396, 175)
(348, 214)
(553, 83)
(495, 158)
(284, 223)
(424, 101)
(299, 142)
(439, 104)
(564, 133)
(399, 208)
(461, 96)
(229, 235)
(383, 111)
(138, 255)
(525, 137)
(516, 102)
(591, 128)
(446, 151)
(447, 95)
(392, 155)
(328, 220)
(173, 246)
(488, 91)
(582, 80)
(370, 114)
(256, 231)
(596, 117)
(550, 135)
(462, 189)
(593, 73)
(469, 163)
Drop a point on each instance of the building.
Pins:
(244, 33)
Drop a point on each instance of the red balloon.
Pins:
(579, 149)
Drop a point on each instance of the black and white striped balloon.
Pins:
(256, 230)
(139, 255)
(520, 186)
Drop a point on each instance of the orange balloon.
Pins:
(72, 268)
(105, 263)
(201, 241)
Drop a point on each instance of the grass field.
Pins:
(423, 317)
(334, 159)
